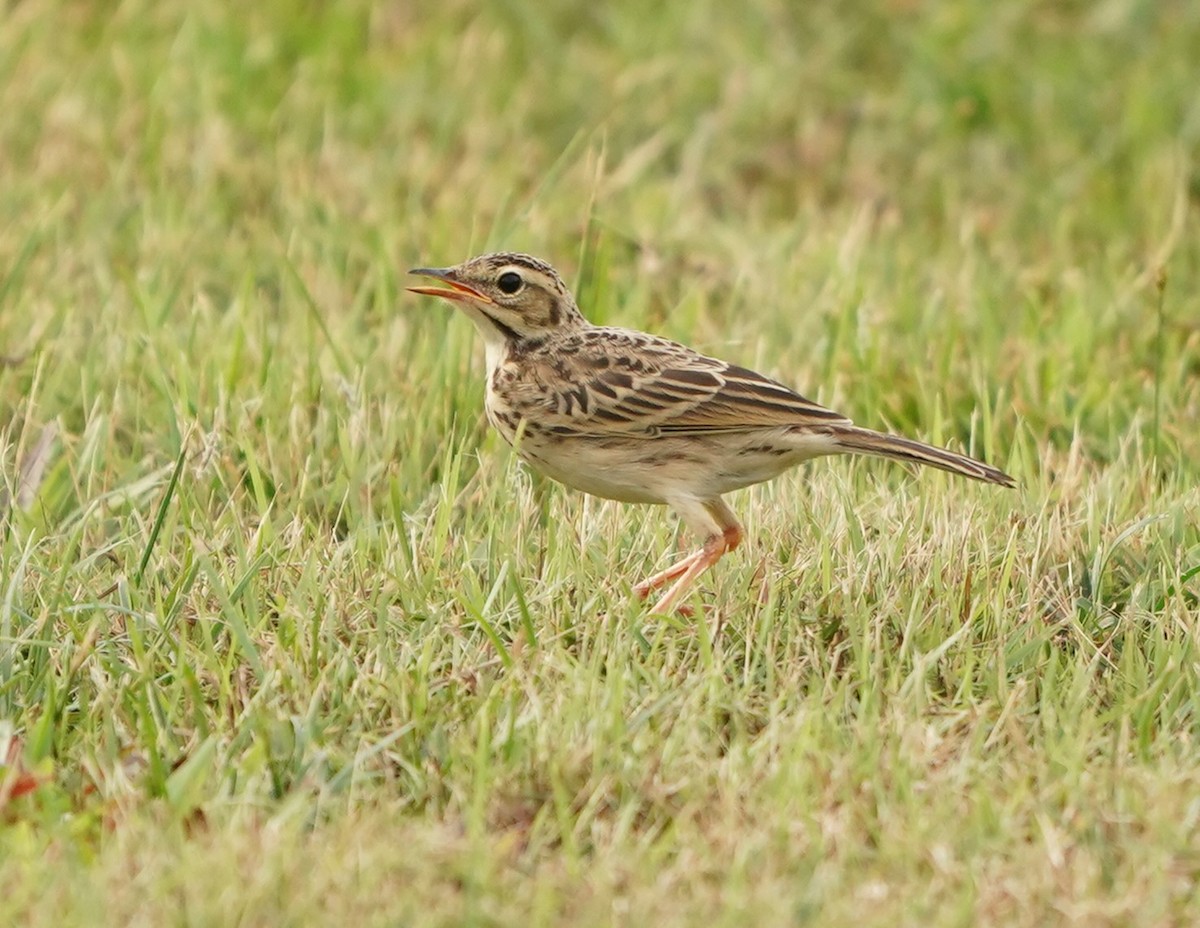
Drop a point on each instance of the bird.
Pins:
(635, 417)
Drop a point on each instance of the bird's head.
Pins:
(509, 297)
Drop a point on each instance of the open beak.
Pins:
(453, 291)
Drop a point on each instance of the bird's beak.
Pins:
(455, 290)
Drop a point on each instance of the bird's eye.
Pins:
(509, 282)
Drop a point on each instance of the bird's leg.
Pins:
(722, 533)
(714, 549)
(642, 590)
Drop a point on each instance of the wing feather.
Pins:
(637, 384)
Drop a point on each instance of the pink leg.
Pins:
(694, 565)
(642, 590)
(713, 521)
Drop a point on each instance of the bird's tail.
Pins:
(865, 441)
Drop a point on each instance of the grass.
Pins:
(288, 637)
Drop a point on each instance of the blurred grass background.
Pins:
(287, 637)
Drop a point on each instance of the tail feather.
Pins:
(877, 444)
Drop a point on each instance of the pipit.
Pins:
(634, 417)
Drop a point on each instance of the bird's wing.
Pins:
(614, 381)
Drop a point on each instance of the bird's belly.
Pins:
(657, 469)
(612, 472)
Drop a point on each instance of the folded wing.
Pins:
(613, 381)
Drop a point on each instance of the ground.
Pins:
(287, 636)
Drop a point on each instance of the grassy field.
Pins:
(288, 637)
